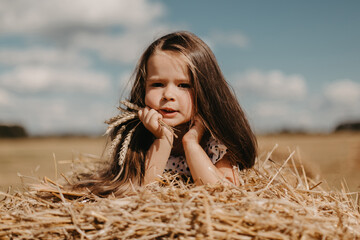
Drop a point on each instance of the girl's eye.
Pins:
(157, 85)
(184, 85)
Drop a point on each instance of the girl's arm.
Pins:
(202, 169)
(159, 151)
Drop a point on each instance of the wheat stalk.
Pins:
(171, 129)
(130, 105)
(120, 116)
(125, 118)
(115, 143)
(127, 114)
(125, 146)
(123, 152)
(137, 108)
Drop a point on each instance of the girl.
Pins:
(178, 83)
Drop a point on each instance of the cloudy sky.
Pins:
(64, 64)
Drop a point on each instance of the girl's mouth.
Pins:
(168, 112)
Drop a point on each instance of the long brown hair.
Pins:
(214, 101)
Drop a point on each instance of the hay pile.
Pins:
(273, 202)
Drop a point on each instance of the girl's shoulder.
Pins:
(215, 149)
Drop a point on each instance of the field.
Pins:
(272, 202)
(34, 157)
(334, 157)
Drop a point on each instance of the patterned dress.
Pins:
(214, 149)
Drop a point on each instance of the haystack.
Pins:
(272, 202)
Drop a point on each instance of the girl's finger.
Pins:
(140, 114)
(154, 119)
(143, 112)
(150, 114)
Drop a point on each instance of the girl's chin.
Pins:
(183, 126)
(177, 125)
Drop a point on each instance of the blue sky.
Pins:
(293, 64)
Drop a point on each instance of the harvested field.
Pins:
(36, 157)
(334, 157)
(274, 201)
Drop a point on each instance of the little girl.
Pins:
(178, 83)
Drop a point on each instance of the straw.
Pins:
(264, 206)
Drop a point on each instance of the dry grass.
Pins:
(336, 157)
(274, 201)
(35, 156)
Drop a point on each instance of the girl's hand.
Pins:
(195, 133)
(150, 118)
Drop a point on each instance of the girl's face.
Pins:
(168, 88)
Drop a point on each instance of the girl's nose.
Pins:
(168, 94)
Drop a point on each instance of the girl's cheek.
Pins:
(147, 100)
(151, 97)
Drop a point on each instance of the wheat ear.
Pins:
(120, 116)
(115, 143)
(130, 105)
(125, 146)
(137, 108)
(127, 117)
(123, 151)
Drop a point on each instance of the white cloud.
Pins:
(21, 16)
(344, 92)
(339, 102)
(44, 78)
(5, 98)
(231, 39)
(124, 47)
(273, 84)
(51, 78)
(38, 55)
(271, 109)
(114, 29)
(58, 115)
(63, 116)
(279, 115)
